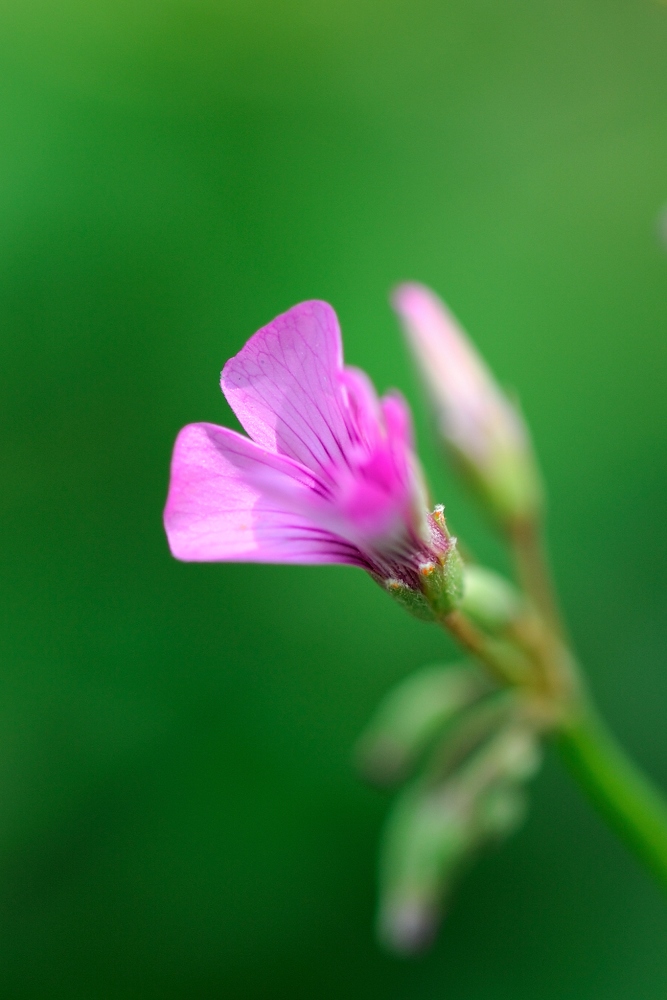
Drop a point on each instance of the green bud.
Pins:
(471, 730)
(502, 811)
(509, 484)
(411, 715)
(489, 599)
(425, 839)
(439, 823)
(519, 754)
(513, 486)
(512, 755)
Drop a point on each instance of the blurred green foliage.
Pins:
(178, 813)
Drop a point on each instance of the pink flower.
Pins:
(327, 474)
(482, 427)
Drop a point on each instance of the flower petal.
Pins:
(284, 387)
(232, 501)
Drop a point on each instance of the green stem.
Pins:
(532, 565)
(628, 800)
(626, 797)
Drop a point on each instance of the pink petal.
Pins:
(398, 421)
(284, 386)
(362, 405)
(444, 350)
(231, 500)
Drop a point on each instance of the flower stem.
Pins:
(533, 569)
(632, 805)
(629, 801)
(474, 641)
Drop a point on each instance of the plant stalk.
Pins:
(633, 806)
(628, 800)
(533, 570)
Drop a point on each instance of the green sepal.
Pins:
(442, 582)
(412, 600)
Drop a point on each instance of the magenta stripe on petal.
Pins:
(230, 500)
(284, 387)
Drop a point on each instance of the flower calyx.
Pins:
(433, 587)
(441, 576)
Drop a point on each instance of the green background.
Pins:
(178, 813)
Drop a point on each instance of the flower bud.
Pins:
(438, 823)
(518, 754)
(412, 715)
(425, 839)
(489, 599)
(502, 811)
(481, 427)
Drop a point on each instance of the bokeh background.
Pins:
(179, 817)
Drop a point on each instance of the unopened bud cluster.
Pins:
(477, 753)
